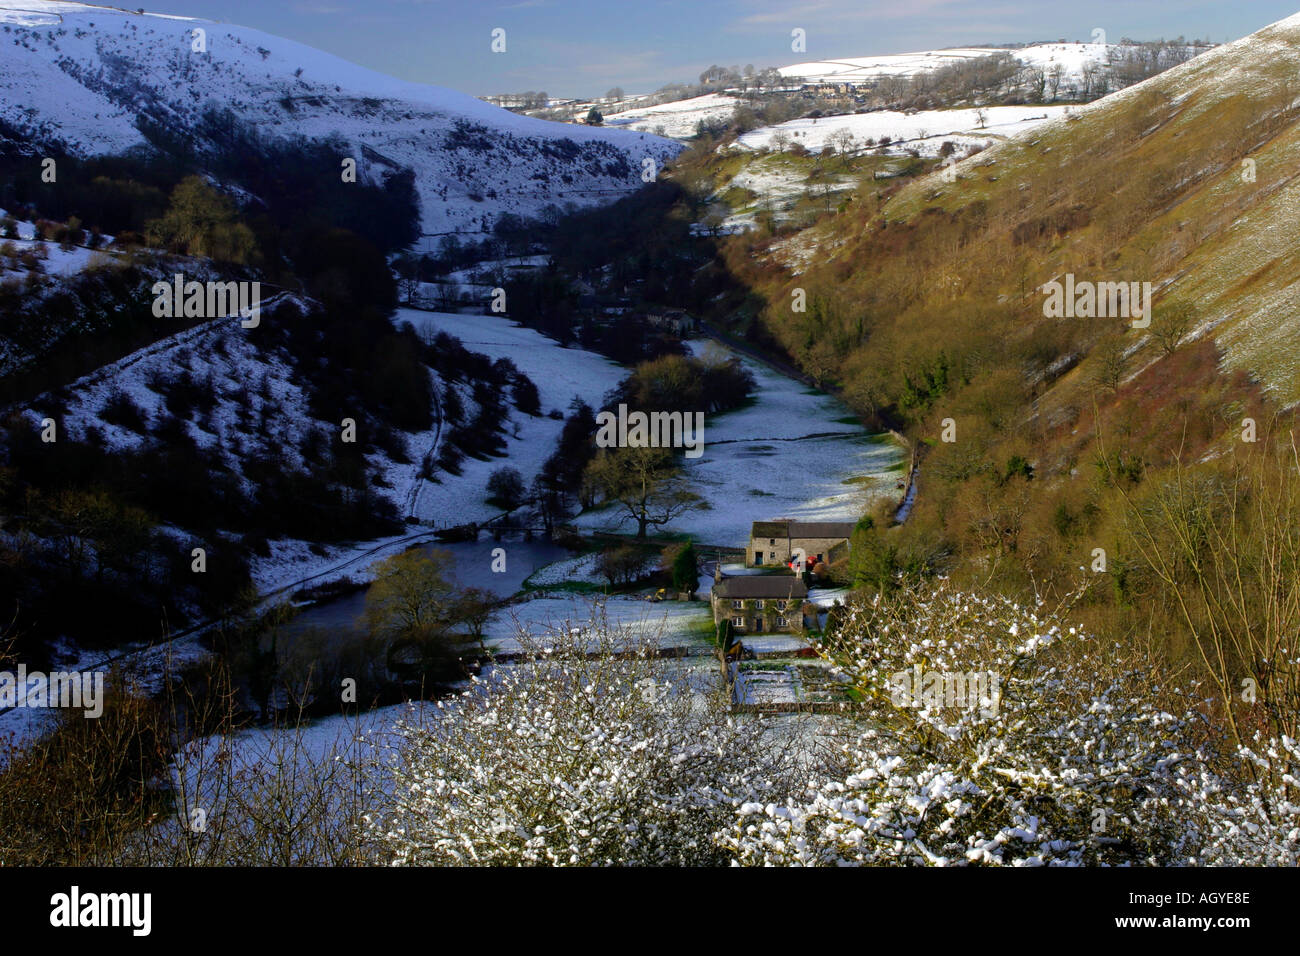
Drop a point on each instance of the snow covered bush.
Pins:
(990, 733)
(994, 734)
(590, 751)
(289, 795)
(1256, 822)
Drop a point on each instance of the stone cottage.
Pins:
(774, 542)
(755, 603)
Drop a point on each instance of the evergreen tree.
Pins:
(686, 569)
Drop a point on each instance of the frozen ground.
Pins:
(923, 131)
(580, 570)
(1072, 58)
(677, 120)
(138, 666)
(774, 643)
(777, 185)
(55, 259)
(259, 404)
(559, 373)
(667, 623)
(788, 455)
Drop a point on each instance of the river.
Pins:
(472, 567)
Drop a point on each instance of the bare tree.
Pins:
(1054, 78)
(644, 482)
(845, 142)
(1171, 323)
(1110, 362)
(1036, 81)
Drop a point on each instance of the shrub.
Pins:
(622, 564)
(506, 488)
(524, 393)
(121, 409)
(1063, 755)
(653, 780)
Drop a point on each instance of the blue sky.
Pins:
(577, 47)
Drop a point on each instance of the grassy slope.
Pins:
(1206, 234)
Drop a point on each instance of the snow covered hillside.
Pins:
(1229, 116)
(923, 131)
(561, 375)
(1073, 60)
(243, 397)
(679, 118)
(98, 80)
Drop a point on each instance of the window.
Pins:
(773, 555)
(780, 605)
(737, 605)
(771, 541)
(738, 621)
(759, 605)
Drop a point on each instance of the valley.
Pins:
(321, 444)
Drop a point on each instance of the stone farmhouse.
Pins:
(775, 542)
(755, 603)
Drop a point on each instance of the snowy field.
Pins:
(676, 120)
(258, 773)
(218, 352)
(223, 354)
(54, 258)
(1072, 57)
(141, 667)
(579, 570)
(771, 644)
(924, 131)
(666, 623)
(559, 373)
(785, 456)
(825, 597)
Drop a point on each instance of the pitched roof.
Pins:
(786, 528)
(761, 586)
(821, 529)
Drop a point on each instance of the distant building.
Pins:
(755, 603)
(775, 542)
(671, 320)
